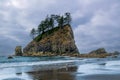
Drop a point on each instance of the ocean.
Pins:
(30, 61)
(59, 68)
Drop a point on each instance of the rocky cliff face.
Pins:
(59, 42)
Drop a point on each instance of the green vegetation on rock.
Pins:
(43, 35)
(47, 25)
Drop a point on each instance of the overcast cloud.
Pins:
(95, 22)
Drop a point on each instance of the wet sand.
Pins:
(61, 71)
(100, 77)
(59, 74)
(69, 73)
(53, 74)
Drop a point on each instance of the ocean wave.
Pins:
(42, 63)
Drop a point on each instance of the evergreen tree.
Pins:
(39, 29)
(68, 18)
(57, 18)
(42, 26)
(33, 33)
(61, 22)
(51, 23)
(46, 23)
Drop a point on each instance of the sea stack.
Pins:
(18, 51)
(57, 41)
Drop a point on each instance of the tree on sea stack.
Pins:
(61, 22)
(50, 22)
(33, 33)
(68, 18)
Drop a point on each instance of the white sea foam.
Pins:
(102, 67)
(21, 64)
(113, 63)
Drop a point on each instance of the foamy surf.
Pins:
(100, 67)
(40, 63)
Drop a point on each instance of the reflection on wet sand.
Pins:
(54, 74)
(89, 70)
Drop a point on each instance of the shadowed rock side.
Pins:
(59, 42)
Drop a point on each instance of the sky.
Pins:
(95, 23)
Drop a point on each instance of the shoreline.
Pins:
(81, 69)
(61, 73)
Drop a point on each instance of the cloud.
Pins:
(102, 30)
(18, 17)
(95, 22)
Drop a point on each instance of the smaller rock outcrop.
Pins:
(116, 53)
(10, 57)
(18, 51)
(98, 51)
